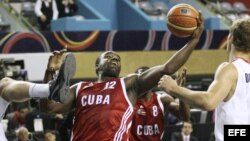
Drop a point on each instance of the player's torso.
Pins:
(236, 109)
(103, 111)
(148, 120)
(240, 97)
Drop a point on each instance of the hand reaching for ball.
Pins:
(200, 26)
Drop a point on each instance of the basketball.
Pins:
(182, 20)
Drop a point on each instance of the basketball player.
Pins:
(103, 109)
(148, 120)
(19, 91)
(229, 93)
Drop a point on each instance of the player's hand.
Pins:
(167, 83)
(55, 60)
(200, 27)
(181, 77)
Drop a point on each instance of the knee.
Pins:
(6, 79)
(5, 82)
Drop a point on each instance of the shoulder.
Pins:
(76, 84)
(130, 79)
(226, 66)
(227, 69)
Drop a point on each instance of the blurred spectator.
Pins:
(49, 136)
(46, 10)
(17, 118)
(48, 121)
(212, 137)
(66, 8)
(185, 134)
(171, 119)
(22, 134)
(66, 127)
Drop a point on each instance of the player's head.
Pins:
(239, 36)
(108, 64)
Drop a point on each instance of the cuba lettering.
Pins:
(148, 130)
(95, 100)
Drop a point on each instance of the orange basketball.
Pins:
(182, 20)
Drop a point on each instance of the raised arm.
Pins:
(67, 106)
(149, 78)
(220, 89)
(177, 108)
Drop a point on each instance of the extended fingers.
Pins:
(199, 18)
(163, 78)
(63, 51)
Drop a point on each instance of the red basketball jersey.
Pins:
(103, 112)
(148, 120)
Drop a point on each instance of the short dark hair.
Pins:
(240, 30)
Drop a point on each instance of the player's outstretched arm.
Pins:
(178, 108)
(149, 78)
(218, 91)
(184, 109)
(181, 56)
(67, 106)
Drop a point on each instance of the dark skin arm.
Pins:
(67, 106)
(138, 84)
(54, 64)
(179, 109)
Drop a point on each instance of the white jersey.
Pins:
(236, 110)
(3, 106)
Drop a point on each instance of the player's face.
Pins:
(110, 64)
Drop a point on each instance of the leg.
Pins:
(19, 91)
(59, 87)
(12, 90)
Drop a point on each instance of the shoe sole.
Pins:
(68, 69)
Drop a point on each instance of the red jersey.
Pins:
(103, 112)
(148, 120)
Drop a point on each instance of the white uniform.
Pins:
(3, 106)
(236, 110)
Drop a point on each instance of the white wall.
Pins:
(35, 63)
